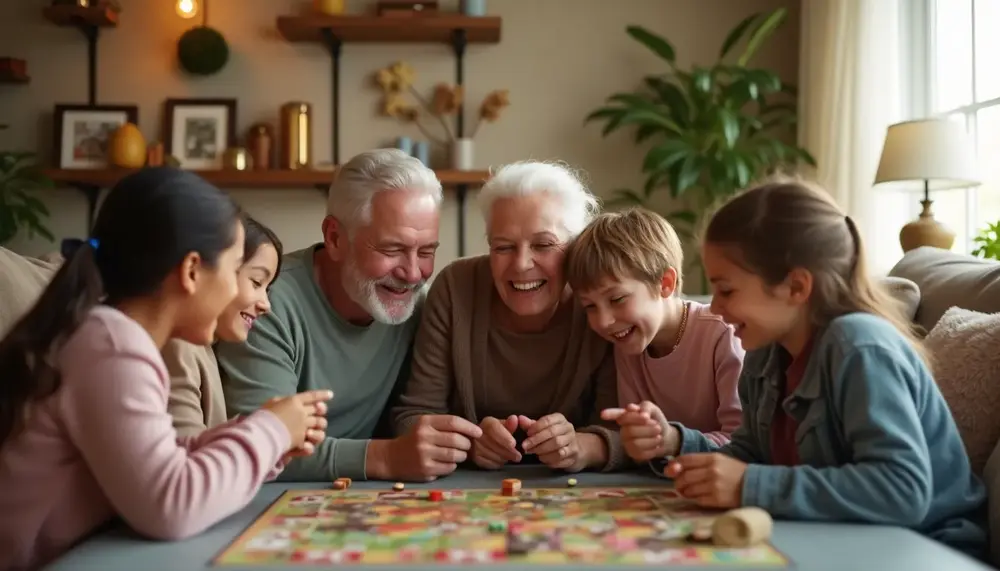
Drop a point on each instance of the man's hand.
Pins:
(645, 432)
(434, 447)
(712, 480)
(554, 440)
(497, 446)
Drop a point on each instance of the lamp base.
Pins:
(925, 231)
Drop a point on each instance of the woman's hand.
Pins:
(304, 415)
(554, 440)
(710, 479)
(496, 446)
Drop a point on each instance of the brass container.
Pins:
(237, 158)
(296, 133)
(260, 142)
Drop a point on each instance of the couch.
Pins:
(954, 299)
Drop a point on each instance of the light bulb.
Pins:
(187, 8)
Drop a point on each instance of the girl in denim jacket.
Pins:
(842, 419)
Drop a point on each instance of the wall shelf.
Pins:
(10, 77)
(91, 181)
(89, 20)
(363, 28)
(267, 179)
(73, 15)
(453, 29)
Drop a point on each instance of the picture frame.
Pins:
(82, 132)
(197, 132)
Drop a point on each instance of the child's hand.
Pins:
(496, 446)
(645, 432)
(712, 480)
(304, 415)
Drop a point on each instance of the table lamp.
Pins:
(928, 154)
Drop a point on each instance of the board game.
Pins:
(571, 526)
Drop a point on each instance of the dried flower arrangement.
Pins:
(396, 81)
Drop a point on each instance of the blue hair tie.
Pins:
(71, 245)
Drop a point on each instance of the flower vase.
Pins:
(461, 154)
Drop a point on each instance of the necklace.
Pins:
(680, 330)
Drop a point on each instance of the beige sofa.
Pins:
(950, 296)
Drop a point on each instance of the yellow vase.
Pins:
(329, 7)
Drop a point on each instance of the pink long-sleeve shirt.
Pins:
(103, 445)
(695, 384)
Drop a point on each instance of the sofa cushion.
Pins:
(948, 279)
(905, 292)
(963, 346)
(22, 280)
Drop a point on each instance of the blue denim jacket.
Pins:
(876, 439)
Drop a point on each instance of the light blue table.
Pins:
(810, 547)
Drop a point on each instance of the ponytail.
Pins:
(865, 295)
(29, 350)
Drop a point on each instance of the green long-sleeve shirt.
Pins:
(303, 344)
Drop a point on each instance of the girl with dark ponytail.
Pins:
(842, 419)
(84, 428)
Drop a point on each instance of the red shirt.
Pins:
(784, 451)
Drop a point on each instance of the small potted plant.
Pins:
(396, 82)
(20, 208)
(988, 242)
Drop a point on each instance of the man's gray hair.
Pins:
(525, 178)
(357, 182)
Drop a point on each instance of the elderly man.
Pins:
(343, 318)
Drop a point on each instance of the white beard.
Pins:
(364, 292)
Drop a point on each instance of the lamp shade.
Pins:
(936, 151)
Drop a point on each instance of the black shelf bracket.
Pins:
(459, 41)
(333, 45)
(92, 193)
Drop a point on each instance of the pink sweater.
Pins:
(104, 445)
(696, 384)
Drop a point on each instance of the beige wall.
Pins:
(558, 58)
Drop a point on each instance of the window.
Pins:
(963, 84)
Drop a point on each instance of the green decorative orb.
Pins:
(202, 51)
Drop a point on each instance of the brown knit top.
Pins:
(465, 364)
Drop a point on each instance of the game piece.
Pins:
(497, 527)
(524, 505)
(511, 486)
(398, 486)
(742, 527)
(700, 533)
(339, 484)
(435, 495)
(624, 527)
(571, 482)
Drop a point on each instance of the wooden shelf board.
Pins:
(8, 77)
(387, 29)
(71, 15)
(270, 179)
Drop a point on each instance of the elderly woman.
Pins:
(503, 344)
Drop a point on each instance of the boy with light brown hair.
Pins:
(678, 364)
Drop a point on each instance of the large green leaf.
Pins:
(762, 33)
(736, 35)
(672, 97)
(655, 43)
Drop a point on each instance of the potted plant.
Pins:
(20, 178)
(988, 242)
(712, 130)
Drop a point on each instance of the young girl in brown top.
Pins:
(503, 344)
(196, 400)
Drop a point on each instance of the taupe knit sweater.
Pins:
(464, 364)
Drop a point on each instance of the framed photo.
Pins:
(198, 131)
(82, 133)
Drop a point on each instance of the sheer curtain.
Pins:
(850, 86)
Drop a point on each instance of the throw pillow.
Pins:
(963, 345)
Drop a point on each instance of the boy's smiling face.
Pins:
(627, 311)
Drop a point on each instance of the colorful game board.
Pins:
(570, 526)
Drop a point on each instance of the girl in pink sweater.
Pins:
(84, 430)
(675, 359)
